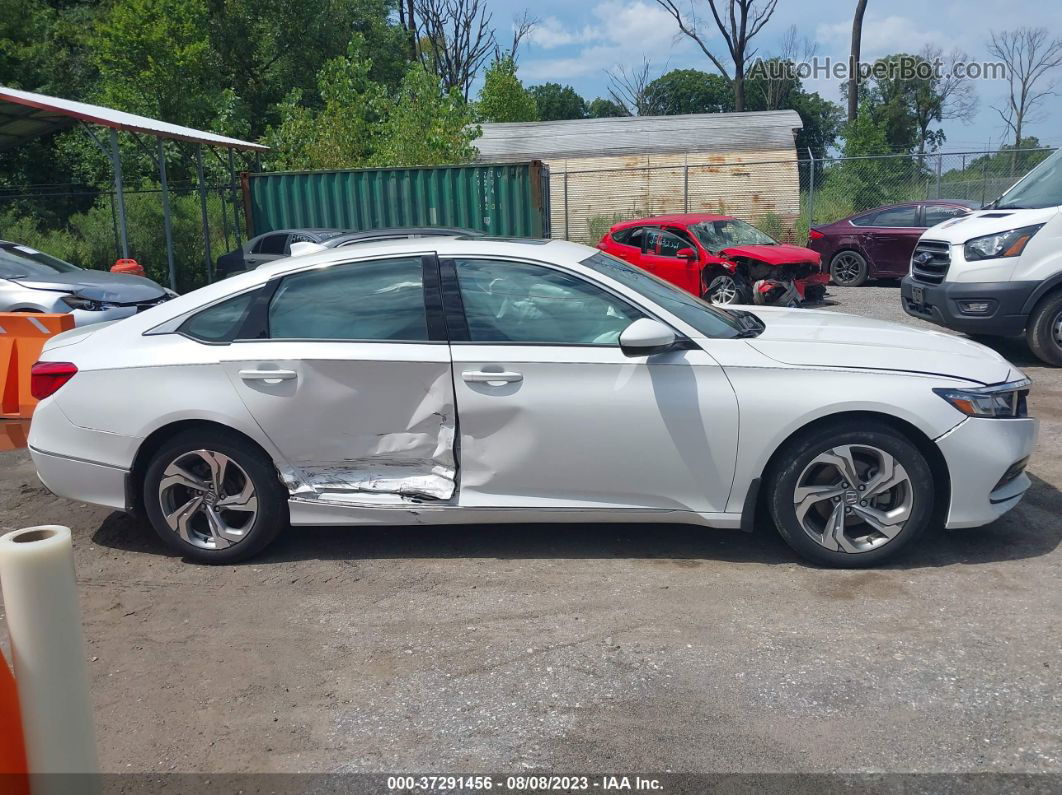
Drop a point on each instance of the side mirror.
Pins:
(645, 337)
(686, 253)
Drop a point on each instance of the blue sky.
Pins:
(577, 41)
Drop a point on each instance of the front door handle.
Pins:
(269, 376)
(481, 377)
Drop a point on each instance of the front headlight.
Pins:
(1003, 244)
(76, 302)
(1003, 400)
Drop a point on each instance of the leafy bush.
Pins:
(89, 238)
(598, 225)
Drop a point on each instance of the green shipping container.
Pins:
(507, 200)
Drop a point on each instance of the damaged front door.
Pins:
(351, 385)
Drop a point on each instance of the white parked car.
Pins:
(436, 381)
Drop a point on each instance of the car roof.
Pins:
(398, 231)
(303, 230)
(675, 218)
(560, 251)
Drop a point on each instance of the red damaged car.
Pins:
(719, 258)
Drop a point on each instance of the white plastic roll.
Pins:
(48, 649)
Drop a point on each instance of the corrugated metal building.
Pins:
(605, 170)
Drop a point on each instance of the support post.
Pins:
(116, 166)
(208, 259)
(166, 225)
(235, 197)
(811, 188)
(940, 160)
(686, 187)
(566, 235)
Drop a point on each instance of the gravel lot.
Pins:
(576, 648)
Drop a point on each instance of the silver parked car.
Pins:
(267, 247)
(32, 281)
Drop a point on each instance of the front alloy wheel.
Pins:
(726, 289)
(851, 494)
(853, 498)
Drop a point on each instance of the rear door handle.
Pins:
(481, 377)
(269, 376)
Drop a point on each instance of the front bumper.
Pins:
(941, 305)
(86, 317)
(979, 451)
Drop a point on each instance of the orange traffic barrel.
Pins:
(12, 744)
(22, 336)
(127, 266)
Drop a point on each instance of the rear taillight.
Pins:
(47, 377)
(815, 234)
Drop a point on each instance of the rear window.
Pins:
(220, 322)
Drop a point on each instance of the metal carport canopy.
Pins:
(25, 115)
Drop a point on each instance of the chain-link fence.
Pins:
(782, 197)
(79, 223)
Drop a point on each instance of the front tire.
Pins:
(214, 496)
(851, 495)
(1044, 332)
(849, 269)
(727, 289)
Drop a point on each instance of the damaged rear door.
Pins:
(347, 370)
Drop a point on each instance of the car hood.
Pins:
(812, 338)
(987, 222)
(111, 288)
(781, 254)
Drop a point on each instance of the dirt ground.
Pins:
(576, 648)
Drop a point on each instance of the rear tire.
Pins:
(1044, 332)
(214, 497)
(849, 269)
(851, 495)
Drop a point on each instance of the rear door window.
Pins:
(373, 300)
(897, 217)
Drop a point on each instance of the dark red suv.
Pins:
(878, 243)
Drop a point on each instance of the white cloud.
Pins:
(622, 33)
(551, 33)
(881, 36)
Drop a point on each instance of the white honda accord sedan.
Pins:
(455, 380)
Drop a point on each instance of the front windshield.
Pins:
(718, 235)
(1042, 187)
(18, 260)
(709, 320)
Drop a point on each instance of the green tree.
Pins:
(262, 59)
(155, 58)
(342, 132)
(689, 91)
(556, 102)
(503, 97)
(605, 108)
(427, 126)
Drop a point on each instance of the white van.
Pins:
(998, 271)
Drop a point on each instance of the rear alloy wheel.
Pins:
(726, 289)
(849, 269)
(852, 497)
(1044, 333)
(212, 498)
